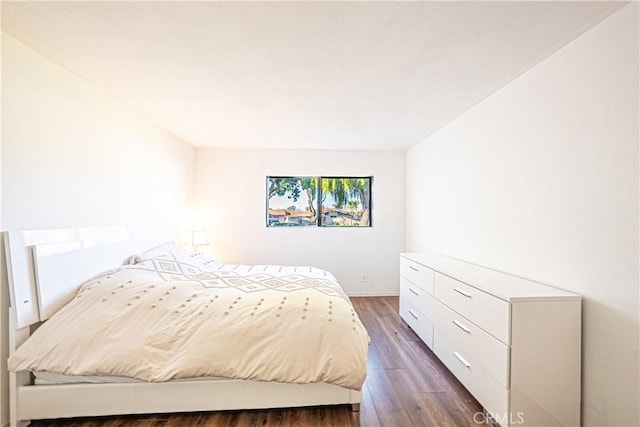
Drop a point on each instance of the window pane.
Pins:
(292, 201)
(345, 202)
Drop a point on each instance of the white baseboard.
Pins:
(373, 294)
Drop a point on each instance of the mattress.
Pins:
(50, 378)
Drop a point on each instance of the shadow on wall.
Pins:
(596, 316)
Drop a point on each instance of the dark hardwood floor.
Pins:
(406, 386)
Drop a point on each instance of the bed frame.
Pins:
(45, 267)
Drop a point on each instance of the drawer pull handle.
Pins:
(461, 326)
(413, 268)
(461, 359)
(461, 292)
(413, 314)
(415, 292)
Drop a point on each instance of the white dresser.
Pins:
(513, 343)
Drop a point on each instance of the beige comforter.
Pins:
(166, 319)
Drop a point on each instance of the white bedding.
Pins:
(176, 316)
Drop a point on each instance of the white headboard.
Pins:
(45, 267)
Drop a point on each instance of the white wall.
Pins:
(4, 292)
(231, 188)
(541, 180)
(72, 156)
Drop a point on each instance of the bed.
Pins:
(170, 331)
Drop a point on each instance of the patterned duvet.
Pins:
(173, 317)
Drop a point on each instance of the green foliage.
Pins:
(349, 192)
(282, 186)
(293, 188)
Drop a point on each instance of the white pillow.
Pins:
(160, 250)
(197, 259)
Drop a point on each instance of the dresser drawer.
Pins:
(491, 395)
(490, 313)
(417, 274)
(490, 353)
(417, 297)
(421, 325)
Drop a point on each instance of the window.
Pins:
(302, 201)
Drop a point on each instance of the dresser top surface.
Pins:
(502, 285)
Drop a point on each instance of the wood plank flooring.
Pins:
(406, 386)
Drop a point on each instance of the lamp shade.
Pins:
(199, 238)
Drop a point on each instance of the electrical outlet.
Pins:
(364, 278)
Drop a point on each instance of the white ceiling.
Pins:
(310, 75)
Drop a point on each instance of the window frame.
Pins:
(317, 203)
